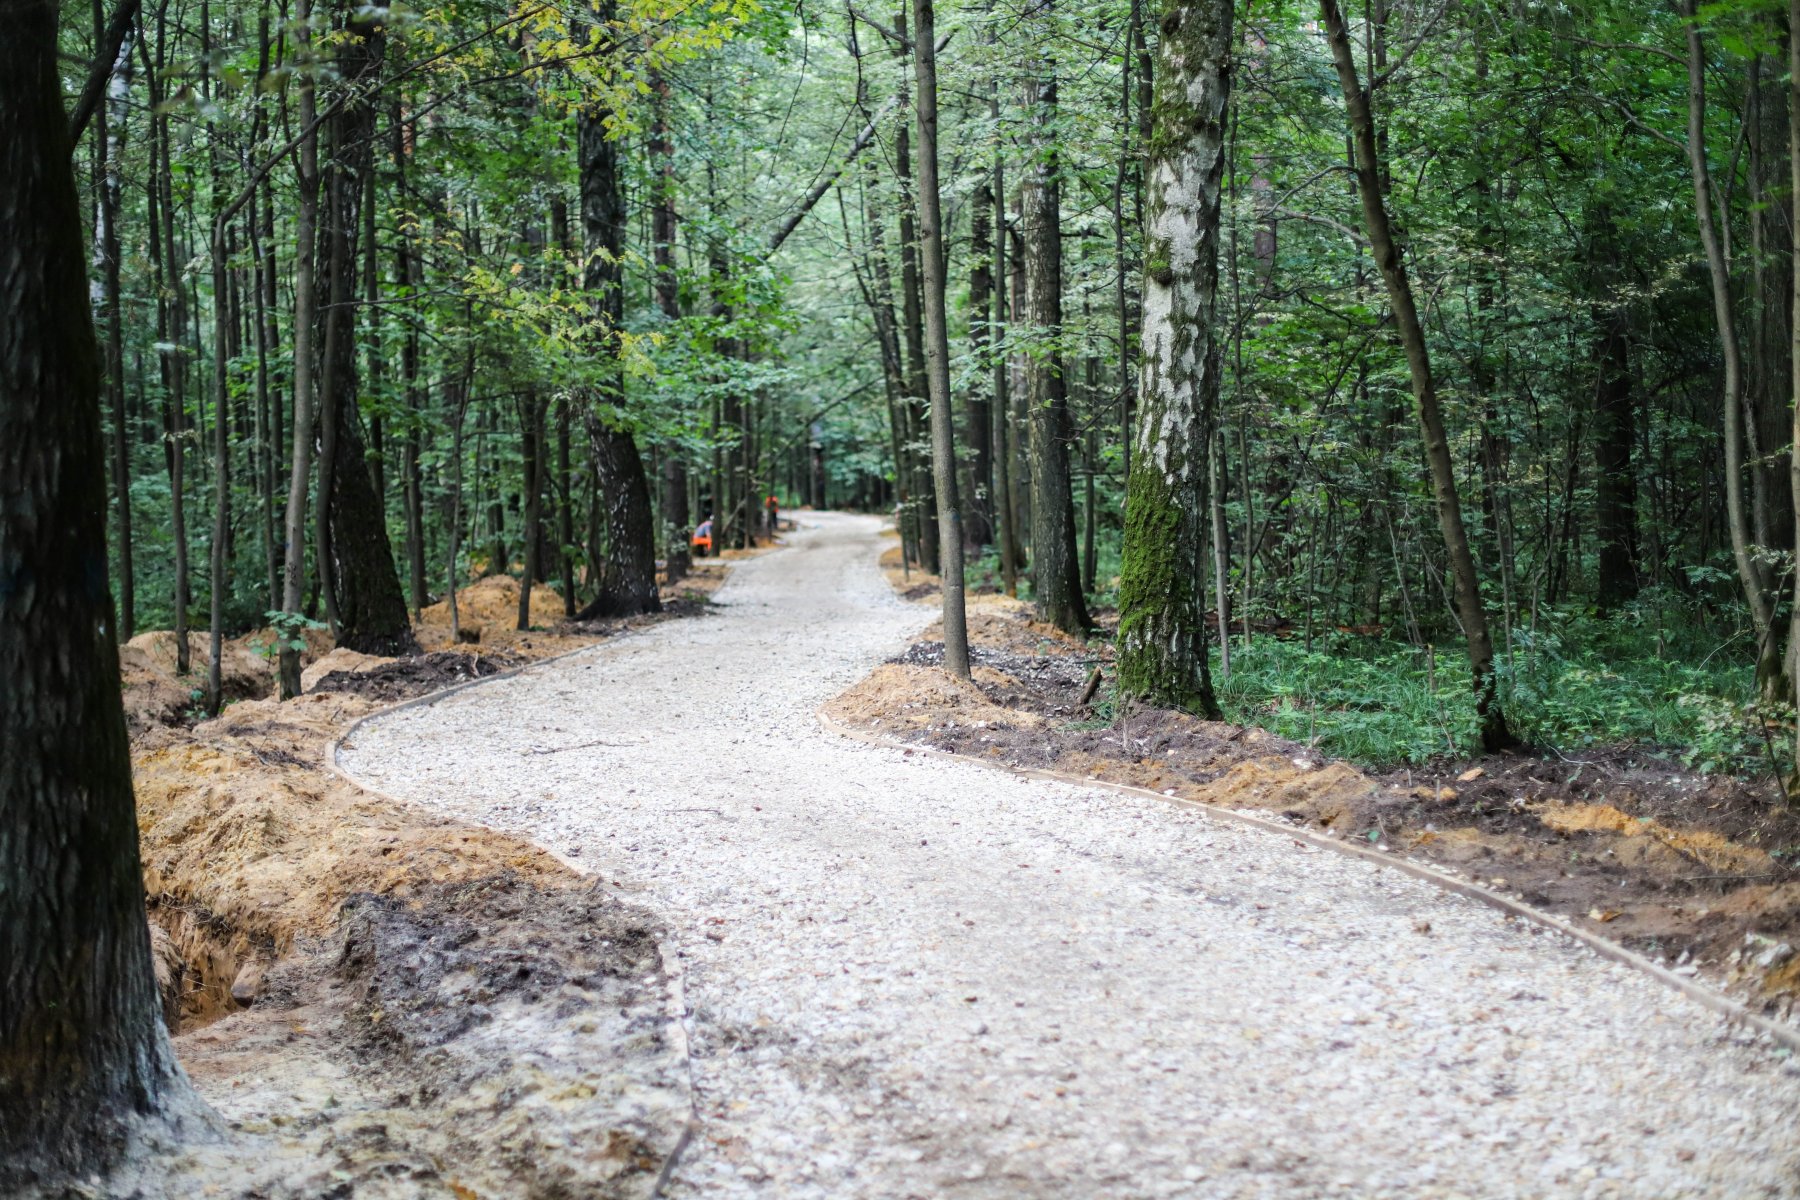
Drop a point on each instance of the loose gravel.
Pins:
(916, 977)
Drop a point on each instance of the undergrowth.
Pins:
(1583, 682)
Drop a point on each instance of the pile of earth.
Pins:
(1695, 871)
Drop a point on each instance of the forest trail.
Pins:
(915, 977)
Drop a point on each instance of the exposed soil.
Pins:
(1693, 870)
(378, 1000)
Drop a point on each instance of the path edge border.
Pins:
(675, 1008)
(1733, 1011)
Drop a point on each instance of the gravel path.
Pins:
(913, 977)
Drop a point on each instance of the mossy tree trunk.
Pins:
(1162, 609)
(83, 1051)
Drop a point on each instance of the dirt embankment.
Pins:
(1694, 871)
(377, 1000)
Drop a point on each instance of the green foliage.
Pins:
(1593, 683)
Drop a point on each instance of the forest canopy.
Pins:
(392, 298)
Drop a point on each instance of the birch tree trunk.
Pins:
(1162, 610)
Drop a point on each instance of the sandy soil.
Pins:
(913, 976)
(375, 1000)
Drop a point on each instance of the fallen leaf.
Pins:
(1470, 775)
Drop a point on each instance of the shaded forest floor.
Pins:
(1693, 870)
(351, 979)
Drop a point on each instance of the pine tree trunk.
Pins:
(1162, 611)
(1055, 573)
(84, 1056)
(1386, 252)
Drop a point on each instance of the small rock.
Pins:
(248, 984)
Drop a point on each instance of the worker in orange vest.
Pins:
(773, 508)
(702, 541)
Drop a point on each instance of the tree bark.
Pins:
(362, 584)
(1769, 667)
(293, 571)
(1162, 610)
(111, 136)
(677, 521)
(1793, 784)
(1055, 572)
(1386, 252)
(628, 575)
(83, 1053)
(531, 422)
(937, 342)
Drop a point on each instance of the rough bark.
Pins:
(1162, 611)
(1386, 252)
(1055, 572)
(361, 581)
(912, 338)
(83, 1052)
(628, 574)
(937, 342)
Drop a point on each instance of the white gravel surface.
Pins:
(913, 977)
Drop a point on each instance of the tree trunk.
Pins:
(293, 572)
(912, 338)
(1055, 573)
(83, 1053)
(677, 521)
(982, 509)
(1615, 483)
(1386, 252)
(111, 138)
(937, 342)
(531, 422)
(356, 557)
(1769, 666)
(1793, 786)
(1162, 610)
(628, 577)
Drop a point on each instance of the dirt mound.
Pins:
(494, 602)
(248, 844)
(898, 697)
(341, 659)
(1675, 865)
(155, 695)
(387, 681)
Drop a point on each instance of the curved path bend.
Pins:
(915, 977)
